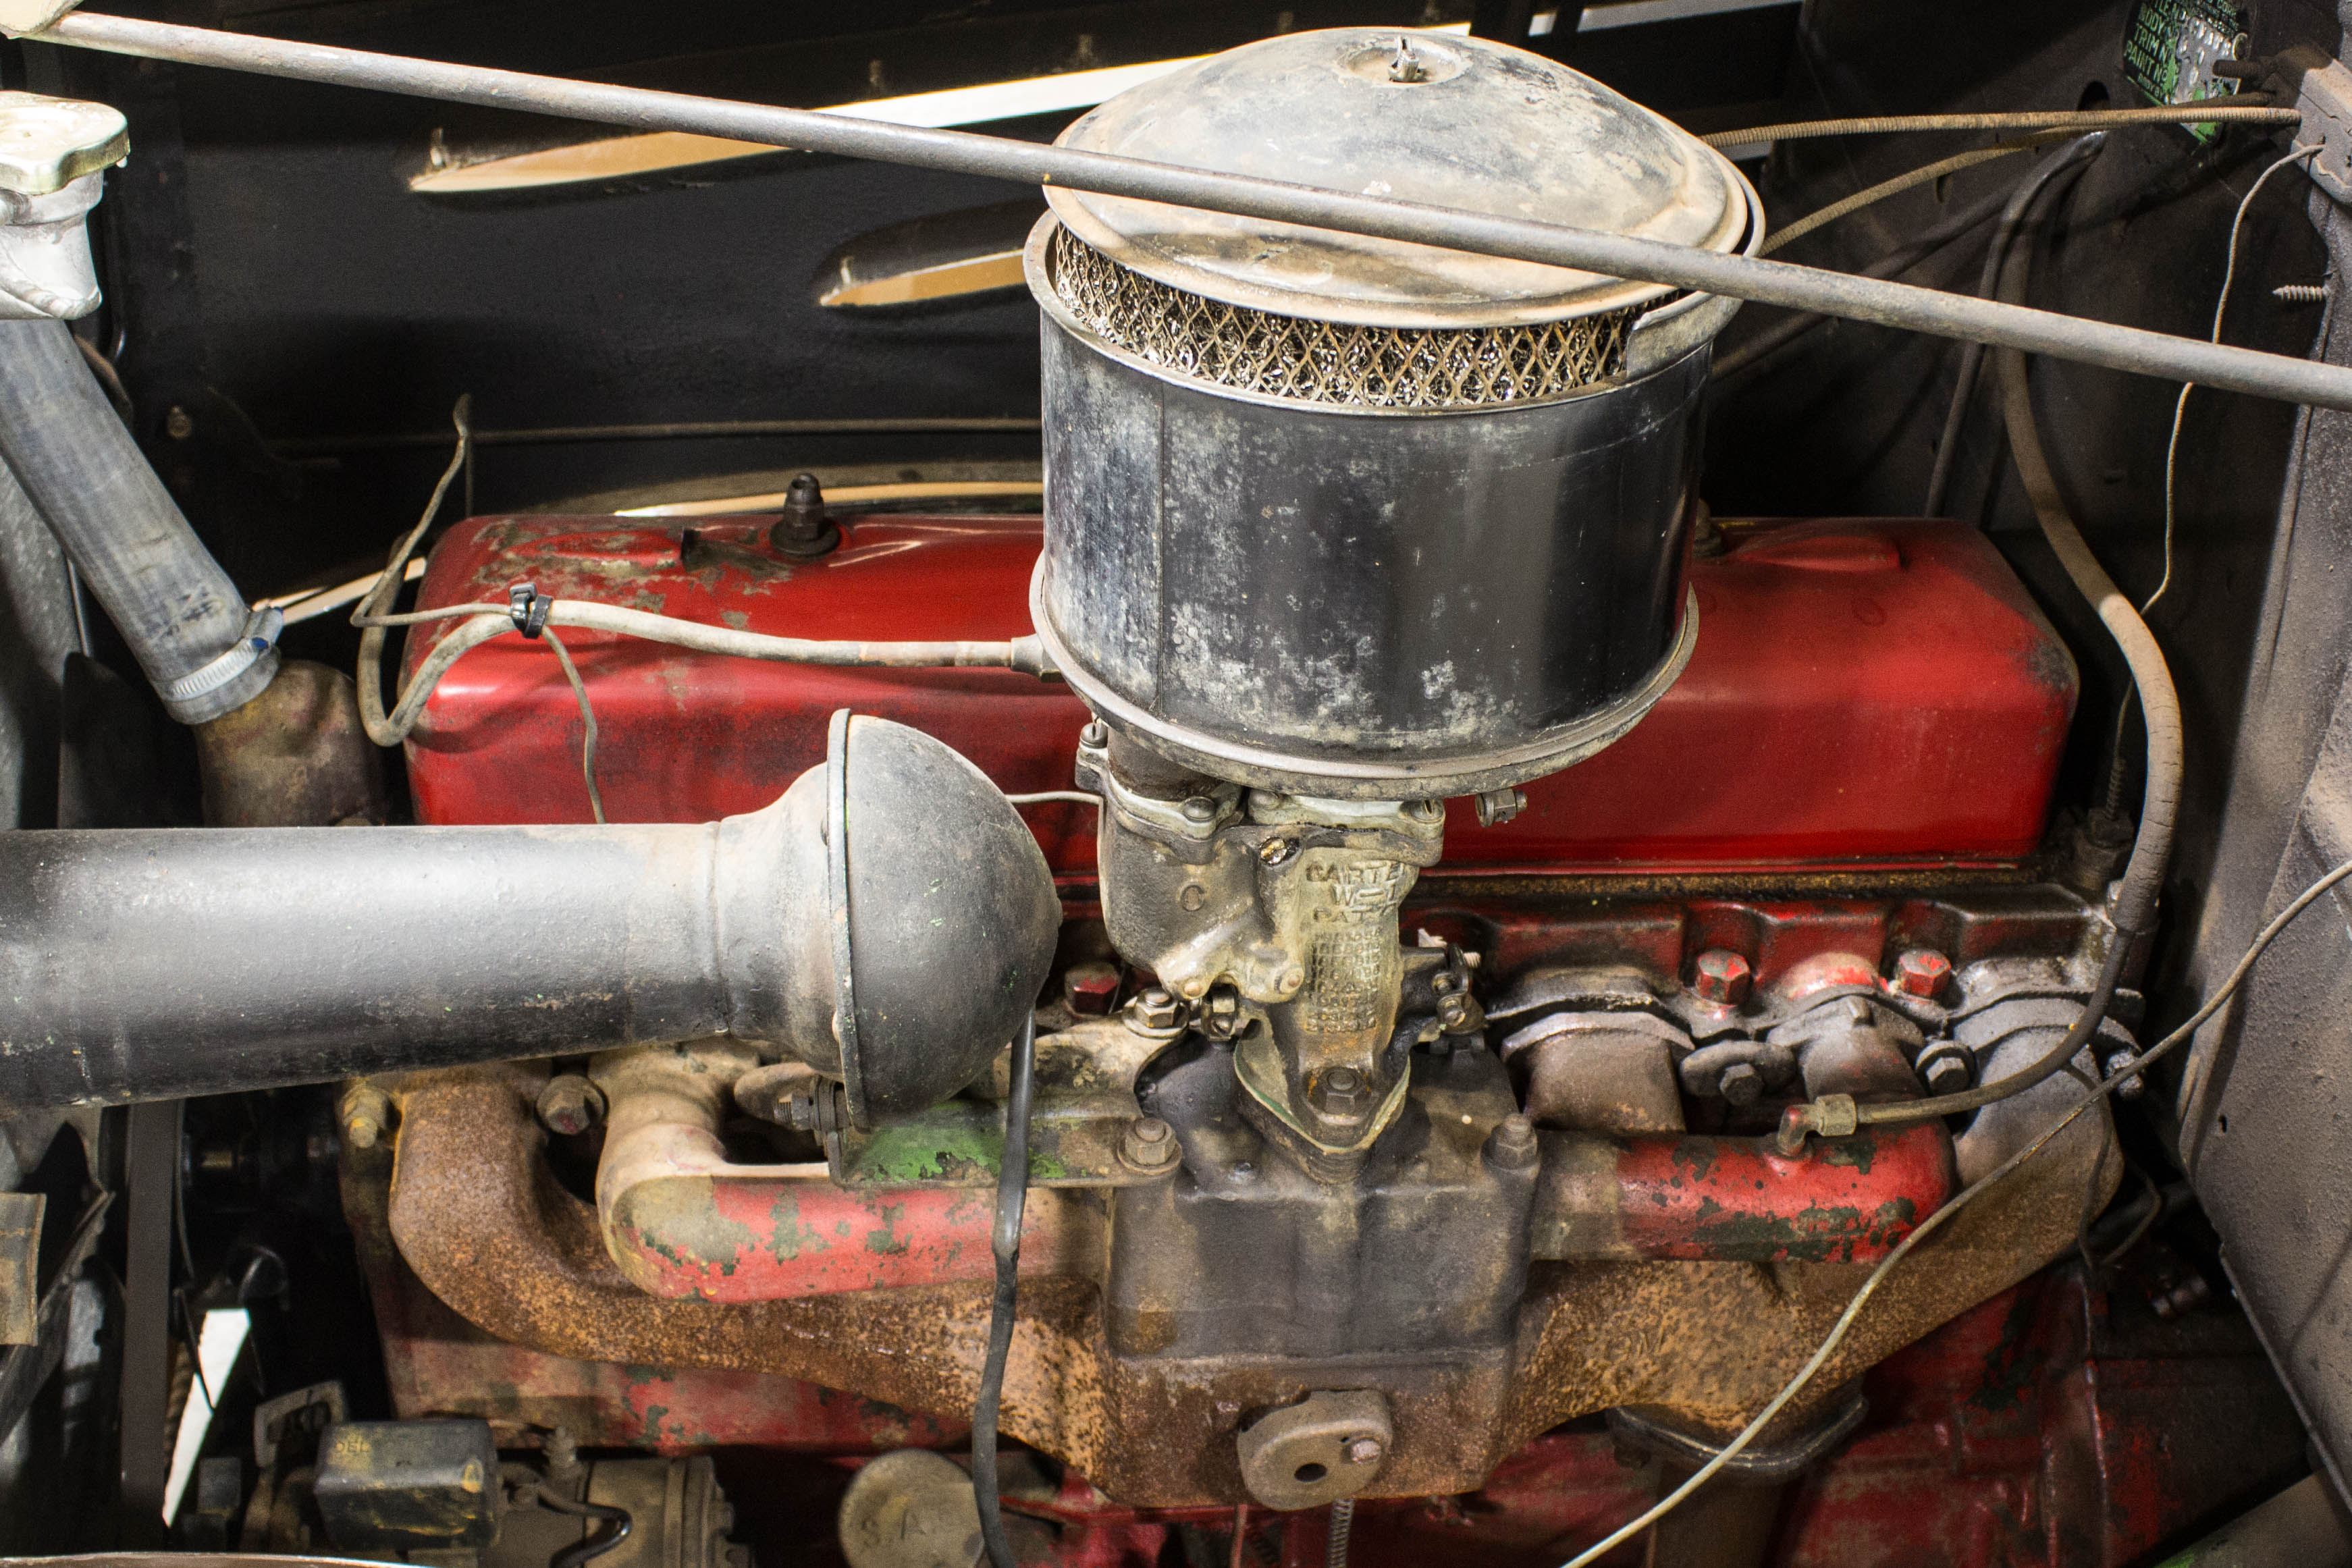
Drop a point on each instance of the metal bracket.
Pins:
(1327, 1447)
(2325, 100)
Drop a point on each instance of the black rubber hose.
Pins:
(1012, 1198)
(191, 632)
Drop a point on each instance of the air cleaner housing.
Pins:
(1352, 517)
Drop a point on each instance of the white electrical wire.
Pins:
(2221, 308)
(2123, 1072)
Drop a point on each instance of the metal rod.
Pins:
(1796, 288)
(694, 430)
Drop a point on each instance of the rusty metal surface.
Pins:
(20, 1275)
(293, 757)
(2055, 1425)
(489, 1232)
(1723, 1337)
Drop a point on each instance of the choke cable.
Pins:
(1910, 254)
(1926, 173)
(1004, 1239)
(2124, 1072)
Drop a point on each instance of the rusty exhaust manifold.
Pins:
(678, 1219)
(882, 1293)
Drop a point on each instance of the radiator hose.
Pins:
(204, 651)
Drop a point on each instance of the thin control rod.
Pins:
(1796, 288)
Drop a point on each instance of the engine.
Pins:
(1467, 852)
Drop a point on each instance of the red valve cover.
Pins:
(1864, 694)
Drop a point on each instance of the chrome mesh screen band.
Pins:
(1327, 362)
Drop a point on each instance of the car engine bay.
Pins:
(1523, 788)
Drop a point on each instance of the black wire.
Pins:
(589, 1549)
(1011, 1196)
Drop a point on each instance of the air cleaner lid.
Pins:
(1420, 117)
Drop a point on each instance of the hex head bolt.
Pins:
(570, 1105)
(1088, 988)
(1148, 1143)
(1154, 1011)
(1721, 976)
(1342, 1092)
(1923, 972)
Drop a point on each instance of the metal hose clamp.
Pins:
(260, 635)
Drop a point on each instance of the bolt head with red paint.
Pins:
(1923, 972)
(1090, 988)
(1722, 976)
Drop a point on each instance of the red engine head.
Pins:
(1864, 694)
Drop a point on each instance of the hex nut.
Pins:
(1922, 972)
(769, 1092)
(570, 1105)
(366, 1115)
(1148, 1143)
(1154, 1011)
(1741, 1083)
(2132, 1087)
(1497, 806)
(1273, 851)
(1512, 1144)
(1722, 976)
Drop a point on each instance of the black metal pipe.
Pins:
(184, 619)
(145, 964)
(1855, 298)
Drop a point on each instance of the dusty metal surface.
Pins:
(294, 757)
(1461, 122)
(20, 1278)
